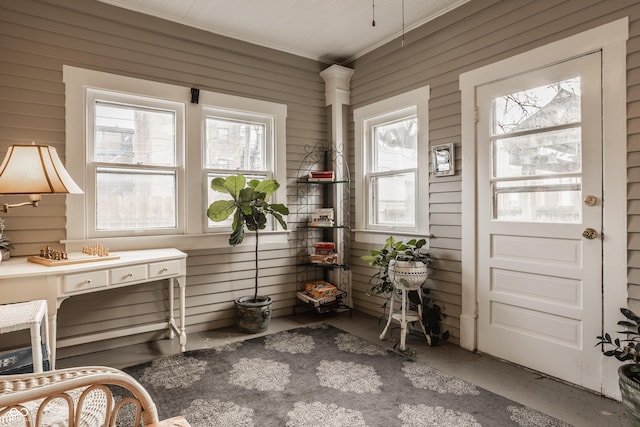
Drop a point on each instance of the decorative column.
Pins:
(337, 94)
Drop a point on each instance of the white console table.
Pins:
(21, 280)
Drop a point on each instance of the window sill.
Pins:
(182, 242)
(378, 237)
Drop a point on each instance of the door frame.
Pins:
(611, 40)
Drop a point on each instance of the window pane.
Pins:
(216, 195)
(135, 200)
(393, 201)
(235, 145)
(536, 154)
(539, 200)
(128, 134)
(395, 145)
(540, 107)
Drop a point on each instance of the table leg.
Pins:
(183, 329)
(52, 336)
(36, 346)
(171, 319)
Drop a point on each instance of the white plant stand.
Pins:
(406, 276)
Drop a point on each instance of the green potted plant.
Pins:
(249, 206)
(626, 350)
(411, 256)
(5, 243)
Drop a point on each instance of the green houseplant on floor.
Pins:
(249, 206)
(381, 283)
(626, 350)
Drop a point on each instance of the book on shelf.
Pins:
(321, 176)
(322, 218)
(325, 253)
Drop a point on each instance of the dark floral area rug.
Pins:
(319, 376)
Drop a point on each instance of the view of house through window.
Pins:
(536, 137)
(134, 155)
(392, 165)
(236, 146)
(146, 165)
(394, 159)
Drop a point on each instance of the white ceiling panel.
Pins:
(332, 31)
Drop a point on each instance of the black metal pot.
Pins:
(253, 316)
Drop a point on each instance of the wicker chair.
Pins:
(75, 397)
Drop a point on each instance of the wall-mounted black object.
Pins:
(195, 95)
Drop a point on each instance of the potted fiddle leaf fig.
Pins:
(626, 350)
(249, 207)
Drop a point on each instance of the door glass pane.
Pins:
(546, 154)
(135, 200)
(395, 145)
(393, 201)
(235, 144)
(538, 200)
(540, 107)
(131, 135)
(538, 154)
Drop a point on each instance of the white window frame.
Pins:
(91, 166)
(415, 101)
(193, 232)
(242, 116)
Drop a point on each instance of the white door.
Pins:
(539, 188)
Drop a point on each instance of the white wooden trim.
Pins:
(611, 39)
(192, 191)
(418, 99)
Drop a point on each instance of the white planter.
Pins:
(409, 275)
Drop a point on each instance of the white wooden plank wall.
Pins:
(476, 34)
(38, 37)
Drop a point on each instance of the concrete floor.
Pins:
(570, 404)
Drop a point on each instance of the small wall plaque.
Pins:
(444, 159)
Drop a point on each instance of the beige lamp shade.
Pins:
(34, 169)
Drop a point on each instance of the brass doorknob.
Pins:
(590, 200)
(589, 233)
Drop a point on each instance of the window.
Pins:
(145, 158)
(392, 165)
(134, 149)
(236, 143)
(536, 139)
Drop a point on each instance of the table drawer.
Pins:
(132, 273)
(74, 283)
(165, 268)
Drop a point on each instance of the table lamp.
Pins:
(34, 170)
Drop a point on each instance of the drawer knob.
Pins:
(88, 281)
(130, 275)
(164, 269)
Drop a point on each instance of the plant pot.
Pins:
(408, 275)
(253, 316)
(630, 391)
(5, 254)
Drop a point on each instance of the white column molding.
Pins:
(337, 80)
(338, 95)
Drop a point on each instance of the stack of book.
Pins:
(322, 218)
(320, 176)
(321, 294)
(325, 253)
